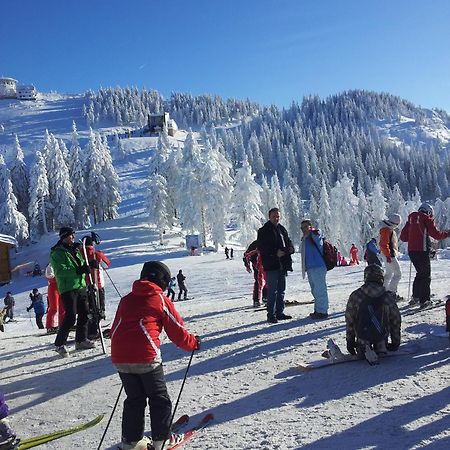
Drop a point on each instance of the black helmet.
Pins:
(373, 272)
(156, 272)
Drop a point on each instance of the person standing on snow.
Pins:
(227, 255)
(97, 261)
(70, 270)
(313, 264)
(389, 252)
(252, 260)
(275, 248)
(354, 255)
(417, 231)
(181, 285)
(9, 304)
(37, 303)
(135, 352)
(55, 305)
(372, 253)
(362, 303)
(171, 289)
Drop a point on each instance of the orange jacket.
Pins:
(388, 242)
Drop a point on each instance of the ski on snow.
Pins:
(189, 434)
(415, 310)
(44, 438)
(340, 358)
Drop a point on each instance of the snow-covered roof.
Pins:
(6, 239)
(8, 79)
(26, 86)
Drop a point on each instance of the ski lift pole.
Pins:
(96, 299)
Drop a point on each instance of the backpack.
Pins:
(329, 253)
(371, 320)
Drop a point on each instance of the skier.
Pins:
(231, 253)
(135, 351)
(313, 264)
(7, 434)
(371, 316)
(252, 260)
(70, 270)
(98, 262)
(389, 252)
(37, 303)
(417, 231)
(181, 285)
(354, 255)
(372, 252)
(171, 289)
(227, 255)
(9, 303)
(275, 248)
(55, 305)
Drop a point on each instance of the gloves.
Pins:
(388, 259)
(83, 270)
(93, 264)
(199, 341)
(351, 347)
(392, 347)
(28, 309)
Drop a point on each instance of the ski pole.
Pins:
(409, 282)
(110, 418)
(179, 395)
(112, 282)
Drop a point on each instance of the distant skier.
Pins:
(171, 289)
(389, 252)
(55, 304)
(354, 255)
(231, 253)
(252, 260)
(181, 285)
(417, 231)
(135, 351)
(371, 316)
(9, 304)
(227, 254)
(37, 303)
(70, 270)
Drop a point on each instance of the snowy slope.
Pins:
(245, 372)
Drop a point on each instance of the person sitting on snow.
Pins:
(371, 316)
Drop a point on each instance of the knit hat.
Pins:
(374, 273)
(393, 220)
(66, 231)
(156, 272)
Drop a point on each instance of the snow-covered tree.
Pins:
(293, 211)
(377, 201)
(246, 204)
(20, 178)
(12, 221)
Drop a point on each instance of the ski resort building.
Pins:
(26, 92)
(8, 87)
(156, 122)
(7, 244)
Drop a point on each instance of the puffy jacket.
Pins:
(418, 230)
(312, 252)
(65, 261)
(388, 241)
(271, 239)
(140, 318)
(37, 303)
(391, 310)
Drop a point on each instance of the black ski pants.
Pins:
(182, 288)
(140, 388)
(94, 321)
(422, 281)
(39, 323)
(76, 308)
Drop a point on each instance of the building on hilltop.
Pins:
(156, 122)
(27, 92)
(8, 87)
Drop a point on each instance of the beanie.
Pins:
(156, 272)
(374, 273)
(66, 231)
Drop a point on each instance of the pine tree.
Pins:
(12, 221)
(20, 178)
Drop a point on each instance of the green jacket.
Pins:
(64, 265)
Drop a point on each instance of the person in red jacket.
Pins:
(55, 304)
(97, 261)
(354, 255)
(417, 232)
(135, 351)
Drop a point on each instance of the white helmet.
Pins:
(426, 208)
(395, 219)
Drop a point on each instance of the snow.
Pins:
(245, 372)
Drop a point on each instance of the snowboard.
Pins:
(408, 349)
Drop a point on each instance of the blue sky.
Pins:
(270, 51)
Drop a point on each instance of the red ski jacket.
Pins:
(418, 230)
(140, 318)
(99, 256)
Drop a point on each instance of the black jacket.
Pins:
(271, 239)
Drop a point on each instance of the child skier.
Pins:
(37, 303)
(171, 289)
(135, 351)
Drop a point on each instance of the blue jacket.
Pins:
(37, 303)
(311, 255)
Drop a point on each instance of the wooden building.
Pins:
(7, 244)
